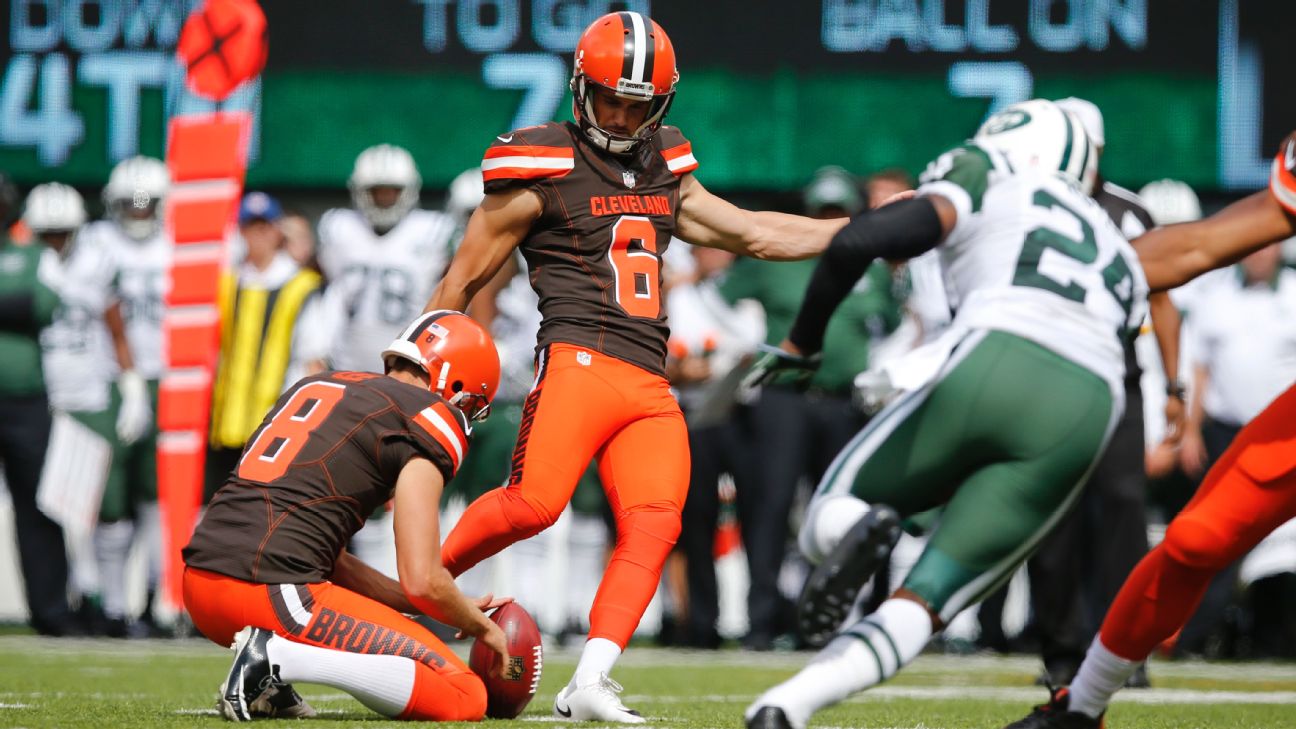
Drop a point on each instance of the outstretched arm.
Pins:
(707, 220)
(496, 228)
(898, 231)
(1176, 254)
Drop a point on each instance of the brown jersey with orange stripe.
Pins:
(1282, 182)
(595, 252)
(326, 456)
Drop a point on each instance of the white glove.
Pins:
(136, 413)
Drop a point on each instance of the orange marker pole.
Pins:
(223, 45)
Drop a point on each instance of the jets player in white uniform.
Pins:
(1006, 429)
(381, 257)
(80, 348)
(133, 238)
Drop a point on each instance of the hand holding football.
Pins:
(508, 694)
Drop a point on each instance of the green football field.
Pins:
(90, 683)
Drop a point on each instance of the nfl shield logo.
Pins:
(516, 668)
(628, 178)
(584, 358)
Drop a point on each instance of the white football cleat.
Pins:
(594, 701)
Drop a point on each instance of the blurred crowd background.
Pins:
(370, 118)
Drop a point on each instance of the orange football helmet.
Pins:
(459, 356)
(630, 55)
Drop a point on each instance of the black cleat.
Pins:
(830, 592)
(250, 677)
(1139, 679)
(769, 717)
(281, 701)
(1054, 715)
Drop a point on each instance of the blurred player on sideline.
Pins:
(28, 300)
(593, 205)
(87, 360)
(1249, 492)
(381, 257)
(140, 250)
(269, 553)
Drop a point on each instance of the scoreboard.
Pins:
(1197, 90)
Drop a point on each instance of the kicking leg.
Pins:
(569, 414)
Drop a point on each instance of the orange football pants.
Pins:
(589, 405)
(1247, 494)
(326, 615)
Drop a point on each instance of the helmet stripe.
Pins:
(637, 47)
(628, 50)
(422, 323)
(649, 50)
(1066, 151)
(1084, 161)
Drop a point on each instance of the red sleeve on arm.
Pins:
(1282, 182)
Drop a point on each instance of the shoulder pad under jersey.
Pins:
(676, 150)
(525, 156)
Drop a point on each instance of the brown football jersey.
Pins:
(595, 253)
(326, 456)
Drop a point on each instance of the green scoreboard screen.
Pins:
(769, 90)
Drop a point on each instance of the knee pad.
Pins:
(827, 520)
(1193, 541)
(472, 706)
(531, 514)
(437, 697)
(653, 529)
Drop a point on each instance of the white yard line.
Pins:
(213, 712)
(983, 693)
(637, 657)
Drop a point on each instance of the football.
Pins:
(508, 694)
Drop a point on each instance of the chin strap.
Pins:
(605, 140)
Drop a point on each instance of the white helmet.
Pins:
(1038, 133)
(1090, 117)
(54, 207)
(466, 193)
(1170, 202)
(134, 194)
(384, 165)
